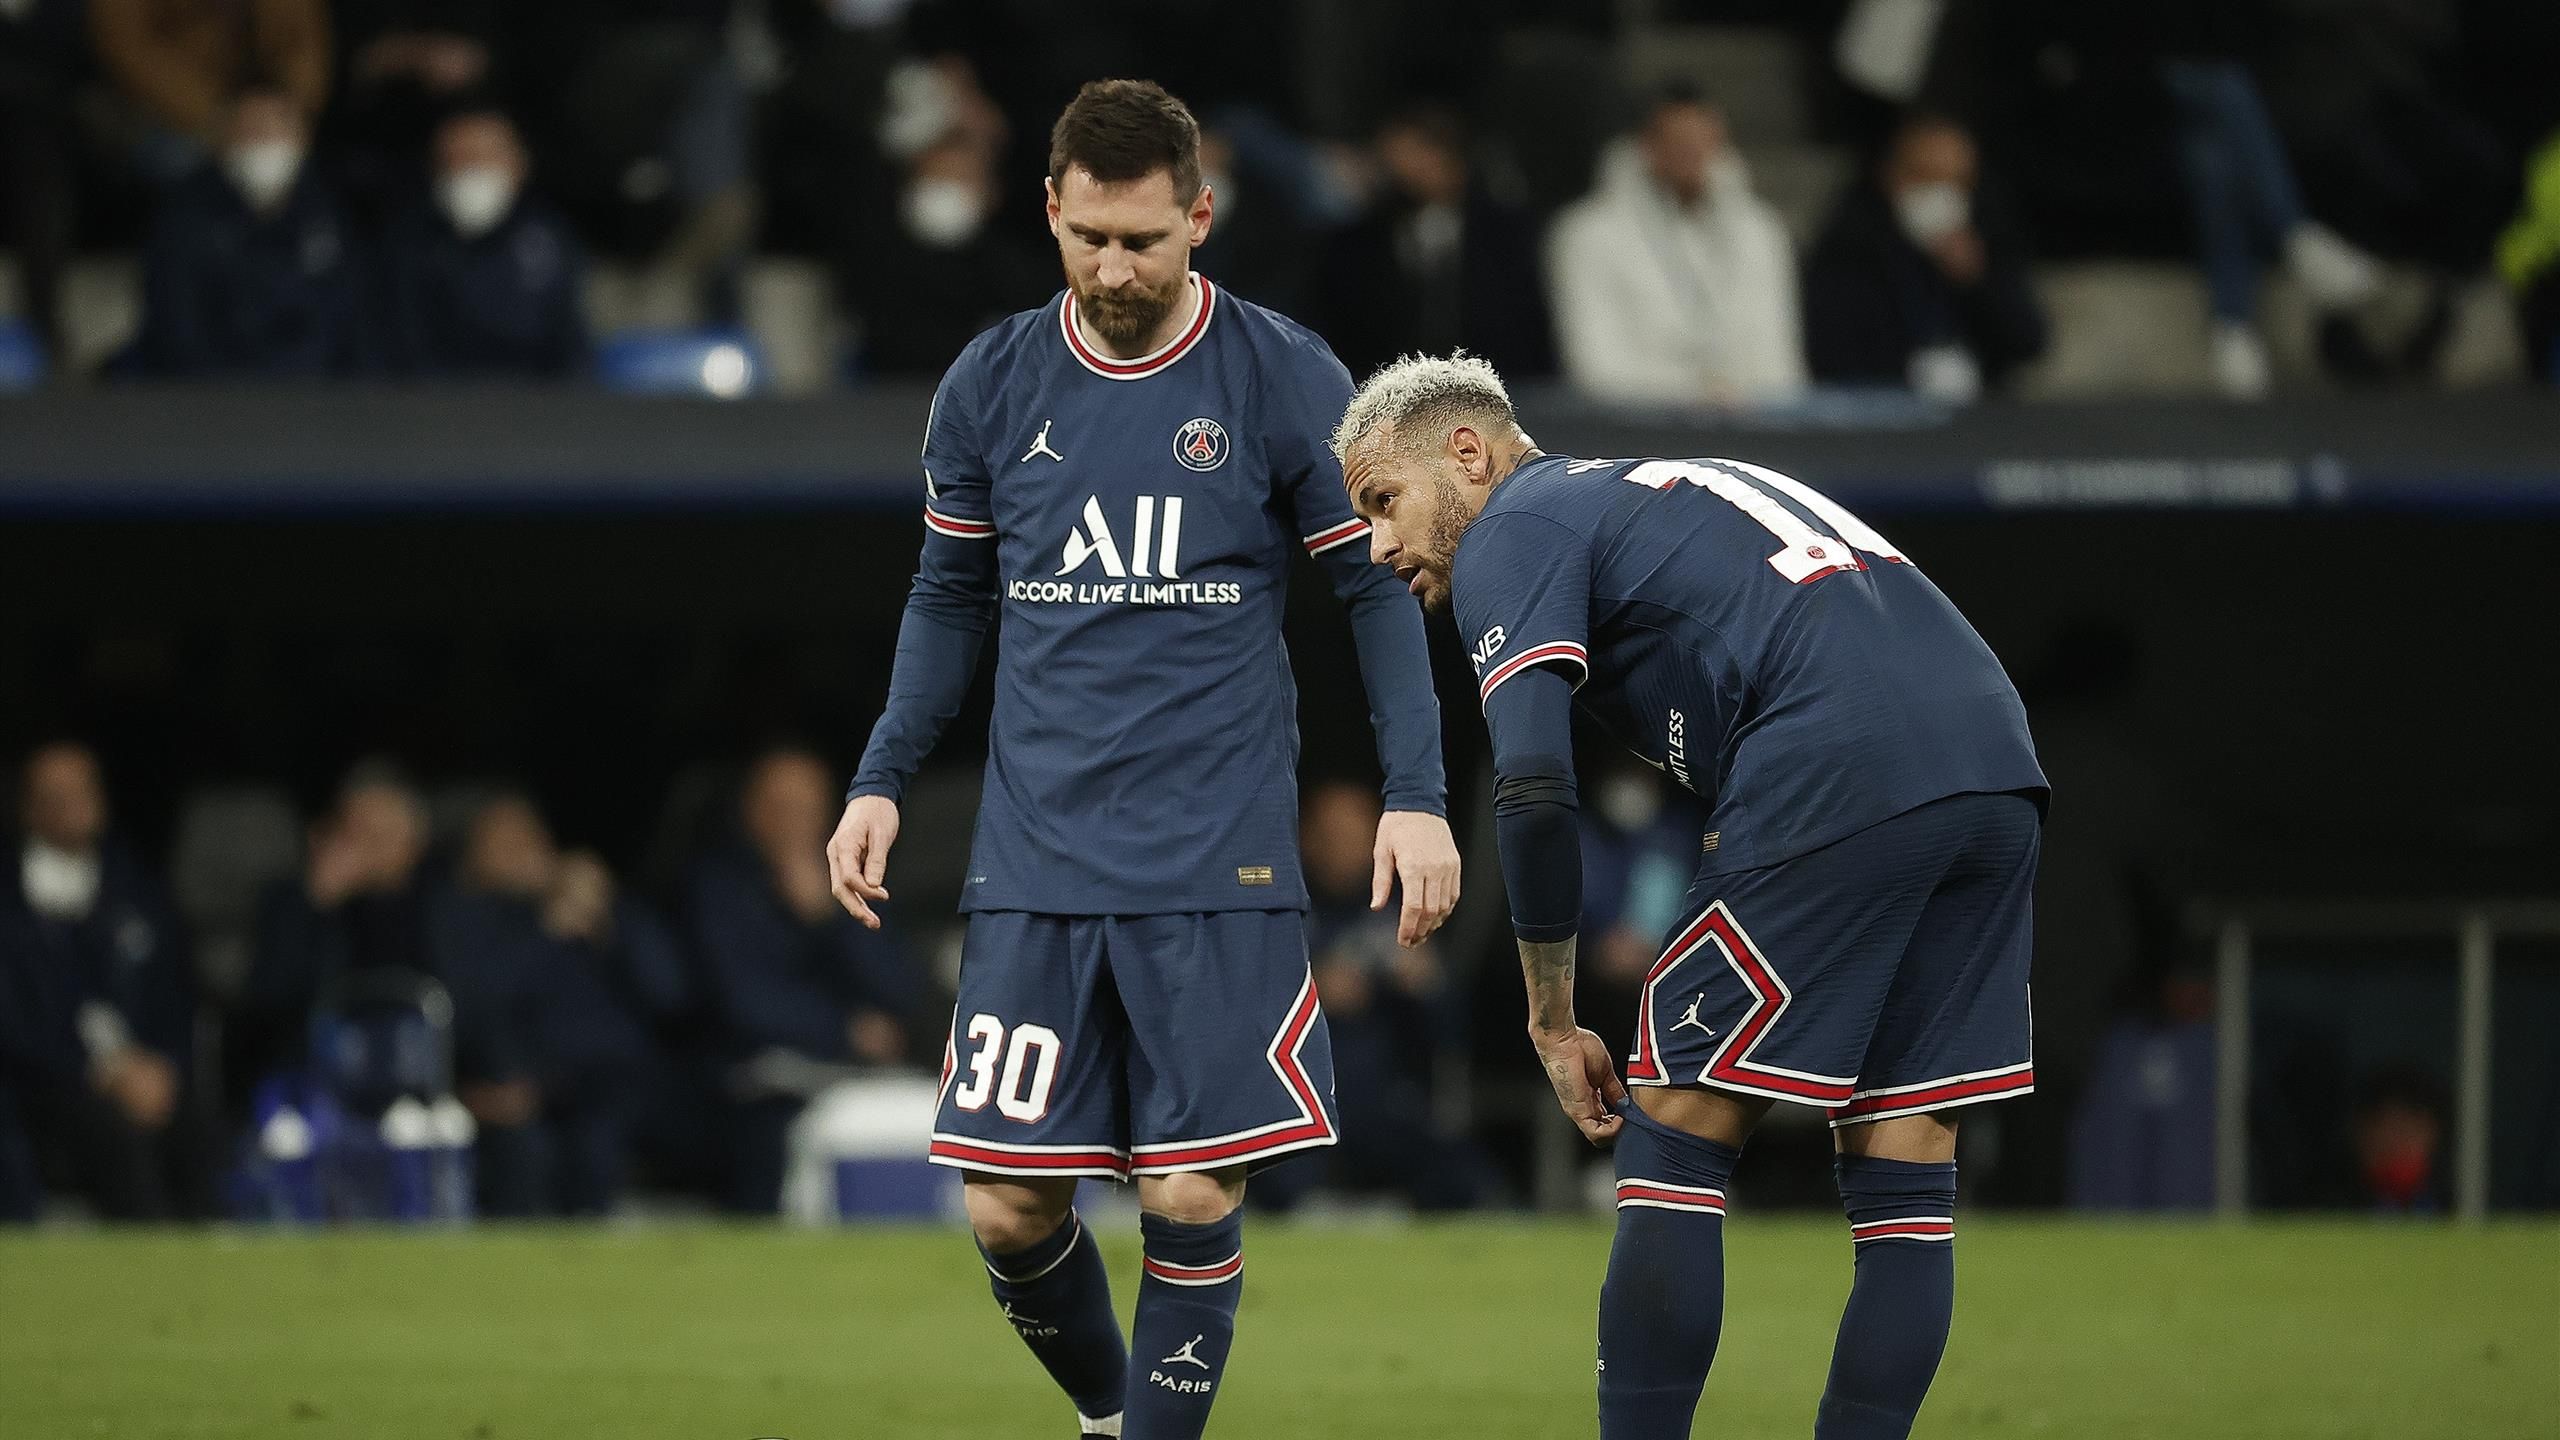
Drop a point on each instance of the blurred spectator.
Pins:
(2399, 1142)
(2142, 1137)
(801, 990)
(2392, 153)
(1673, 282)
(358, 905)
(550, 1043)
(250, 269)
(945, 274)
(486, 280)
(182, 63)
(2529, 257)
(1262, 245)
(1438, 262)
(643, 124)
(1383, 1004)
(97, 1012)
(2242, 195)
(1921, 276)
(819, 160)
(38, 46)
(405, 66)
(1639, 849)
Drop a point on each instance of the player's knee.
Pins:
(1679, 1162)
(1197, 1198)
(1009, 1215)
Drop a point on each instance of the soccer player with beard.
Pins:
(1856, 936)
(1118, 479)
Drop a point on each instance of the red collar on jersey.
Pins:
(1145, 365)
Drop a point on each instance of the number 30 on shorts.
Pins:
(1020, 1084)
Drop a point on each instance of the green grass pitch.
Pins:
(2067, 1329)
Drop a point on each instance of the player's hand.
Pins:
(858, 855)
(1577, 1065)
(1417, 850)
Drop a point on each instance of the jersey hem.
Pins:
(1179, 905)
(1727, 859)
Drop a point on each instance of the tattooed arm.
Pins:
(1576, 1061)
(1537, 821)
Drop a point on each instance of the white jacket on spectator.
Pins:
(1658, 303)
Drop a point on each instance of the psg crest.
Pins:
(1201, 444)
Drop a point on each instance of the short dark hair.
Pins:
(1675, 94)
(1123, 130)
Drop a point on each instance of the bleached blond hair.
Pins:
(1422, 398)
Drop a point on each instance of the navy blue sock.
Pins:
(1057, 1296)
(1186, 1321)
(1902, 1221)
(1662, 1307)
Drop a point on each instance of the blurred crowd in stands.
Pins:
(616, 1039)
(600, 1029)
(416, 188)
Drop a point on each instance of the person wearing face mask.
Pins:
(1921, 279)
(485, 279)
(97, 1011)
(945, 275)
(251, 270)
(1673, 283)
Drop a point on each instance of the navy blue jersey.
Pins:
(1133, 524)
(1744, 633)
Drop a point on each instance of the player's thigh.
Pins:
(1229, 1063)
(1955, 1028)
(1032, 1073)
(1773, 985)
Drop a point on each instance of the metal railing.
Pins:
(2475, 926)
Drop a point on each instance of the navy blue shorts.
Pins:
(1133, 1044)
(1881, 975)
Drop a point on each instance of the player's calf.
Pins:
(1048, 1277)
(1187, 1301)
(1894, 1329)
(1662, 1305)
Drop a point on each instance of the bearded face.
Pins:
(1416, 517)
(1126, 248)
(1128, 315)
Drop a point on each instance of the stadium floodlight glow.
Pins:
(726, 371)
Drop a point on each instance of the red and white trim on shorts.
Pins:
(1218, 1274)
(958, 527)
(1550, 652)
(1145, 365)
(1908, 1227)
(1339, 535)
(1731, 1067)
(1308, 1131)
(1663, 1195)
(1004, 1157)
(1928, 1095)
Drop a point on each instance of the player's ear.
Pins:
(1049, 190)
(1203, 211)
(1467, 448)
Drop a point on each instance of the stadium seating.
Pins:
(21, 362)
(717, 364)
